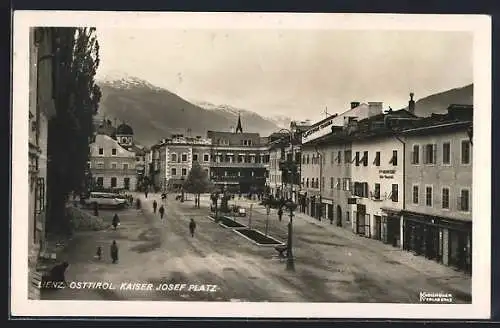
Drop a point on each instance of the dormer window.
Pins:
(113, 151)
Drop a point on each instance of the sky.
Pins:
(297, 73)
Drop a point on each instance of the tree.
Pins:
(197, 182)
(70, 132)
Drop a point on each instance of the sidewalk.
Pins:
(457, 280)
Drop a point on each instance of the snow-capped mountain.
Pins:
(155, 113)
(281, 121)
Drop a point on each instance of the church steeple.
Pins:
(238, 127)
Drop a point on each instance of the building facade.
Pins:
(113, 166)
(238, 161)
(317, 197)
(173, 158)
(438, 206)
(41, 109)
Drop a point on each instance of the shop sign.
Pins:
(386, 174)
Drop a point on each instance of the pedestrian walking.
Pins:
(280, 213)
(116, 221)
(146, 193)
(331, 220)
(98, 254)
(162, 211)
(114, 252)
(192, 227)
(155, 205)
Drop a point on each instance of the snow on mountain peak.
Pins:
(125, 81)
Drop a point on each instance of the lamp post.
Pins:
(290, 262)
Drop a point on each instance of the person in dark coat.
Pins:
(155, 205)
(192, 227)
(114, 252)
(162, 211)
(57, 272)
(99, 253)
(116, 221)
(138, 204)
(280, 213)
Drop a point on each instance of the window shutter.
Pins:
(434, 148)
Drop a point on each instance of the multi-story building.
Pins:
(377, 174)
(336, 154)
(113, 160)
(438, 203)
(173, 158)
(41, 109)
(275, 151)
(238, 160)
(316, 197)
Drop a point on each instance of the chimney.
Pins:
(354, 104)
(374, 108)
(411, 104)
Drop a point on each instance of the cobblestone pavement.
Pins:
(332, 264)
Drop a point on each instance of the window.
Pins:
(100, 165)
(357, 158)
(126, 183)
(307, 183)
(445, 198)
(347, 216)
(101, 151)
(304, 159)
(339, 157)
(465, 152)
(307, 159)
(184, 157)
(184, 171)
(113, 151)
(377, 159)
(446, 153)
(113, 182)
(113, 165)
(173, 171)
(338, 183)
(376, 192)
(394, 193)
(415, 195)
(331, 182)
(125, 166)
(332, 158)
(415, 155)
(463, 200)
(430, 154)
(365, 158)
(347, 156)
(100, 181)
(428, 196)
(206, 158)
(195, 157)
(394, 158)
(173, 157)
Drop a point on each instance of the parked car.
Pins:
(105, 199)
(238, 210)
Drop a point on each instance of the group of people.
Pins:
(161, 211)
(113, 252)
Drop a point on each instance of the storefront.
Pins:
(443, 240)
(302, 202)
(362, 221)
(390, 227)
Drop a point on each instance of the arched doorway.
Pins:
(339, 216)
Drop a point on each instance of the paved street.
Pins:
(332, 264)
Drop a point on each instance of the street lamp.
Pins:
(290, 262)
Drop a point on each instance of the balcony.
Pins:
(237, 165)
(237, 179)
